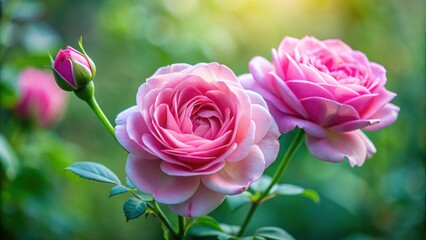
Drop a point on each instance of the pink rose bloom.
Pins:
(195, 136)
(40, 98)
(329, 90)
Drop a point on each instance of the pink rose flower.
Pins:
(39, 97)
(329, 90)
(195, 136)
(73, 69)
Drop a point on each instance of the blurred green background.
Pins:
(129, 39)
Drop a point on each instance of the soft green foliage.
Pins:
(8, 159)
(237, 201)
(273, 233)
(134, 208)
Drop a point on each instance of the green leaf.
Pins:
(230, 229)
(145, 197)
(237, 201)
(225, 236)
(94, 171)
(133, 208)
(289, 189)
(261, 184)
(8, 158)
(273, 233)
(119, 189)
(203, 227)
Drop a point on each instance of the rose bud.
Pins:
(73, 70)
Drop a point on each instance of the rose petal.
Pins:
(262, 120)
(244, 143)
(338, 145)
(325, 112)
(337, 45)
(288, 96)
(235, 177)
(172, 68)
(387, 115)
(201, 203)
(378, 103)
(293, 71)
(212, 71)
(287, 123)
(147, 176)
(361, 102)
(304, 89)
(354, 125)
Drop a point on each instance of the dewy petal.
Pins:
(338, 145)
(235, 177)
(147, 176)
(387, 115)
(201, 203)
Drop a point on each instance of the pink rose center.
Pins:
(344, 71)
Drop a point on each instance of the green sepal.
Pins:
(87, 93)
(81, 74)
(92, 64)
(62, 83)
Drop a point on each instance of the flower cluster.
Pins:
(199, 133)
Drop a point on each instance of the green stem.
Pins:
(87, 94)
(277, 175)
(164, 219)
(181, 227)
(95, 107)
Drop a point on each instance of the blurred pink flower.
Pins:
(329, 90)
(196, 136)
(40, 98)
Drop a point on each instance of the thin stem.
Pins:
(277, 175)
(98, 111)
(181, 226)
(164, 219)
